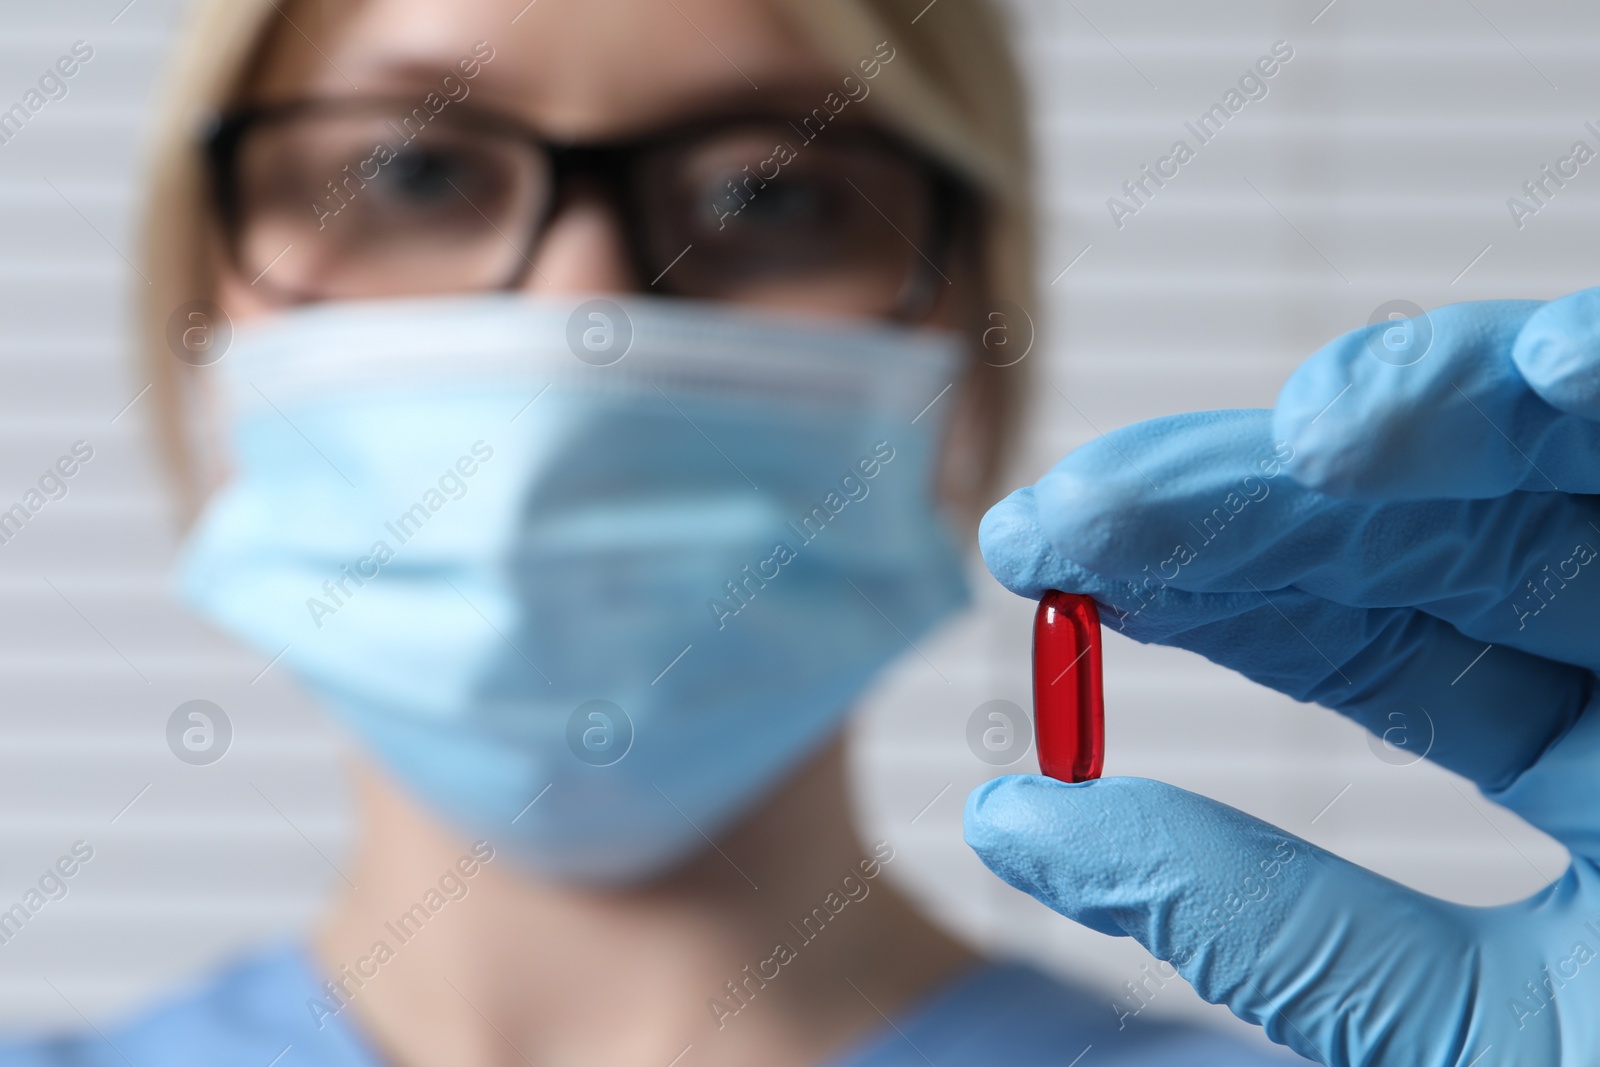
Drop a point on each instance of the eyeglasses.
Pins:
(357, 198)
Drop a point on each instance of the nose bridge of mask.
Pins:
(712, 401)
(677, 347)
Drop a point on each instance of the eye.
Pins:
(423, 176)
(791, 202)
(788, 202)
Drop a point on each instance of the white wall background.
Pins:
(1377, 168)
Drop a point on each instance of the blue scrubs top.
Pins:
(255, 1014)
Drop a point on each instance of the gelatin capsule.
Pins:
(1068, 705)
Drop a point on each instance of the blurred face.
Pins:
(726, 199)
(403, 148)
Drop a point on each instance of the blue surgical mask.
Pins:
(589, 579)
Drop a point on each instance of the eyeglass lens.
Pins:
(375, 203)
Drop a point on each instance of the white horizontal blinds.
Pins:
(185, 863)
(1376, 167)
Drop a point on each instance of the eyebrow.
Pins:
(417, 71)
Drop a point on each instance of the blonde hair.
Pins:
(952, 88)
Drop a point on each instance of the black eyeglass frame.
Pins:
(609, 164)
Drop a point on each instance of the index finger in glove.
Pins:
(1203, 502)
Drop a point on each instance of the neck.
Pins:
(781, 945)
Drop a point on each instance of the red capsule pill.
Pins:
(1068, 704)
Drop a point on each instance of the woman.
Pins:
(603, 377)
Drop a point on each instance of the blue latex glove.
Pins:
(1359, 547)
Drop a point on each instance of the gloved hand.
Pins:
(1408, 545)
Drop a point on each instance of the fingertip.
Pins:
(1021, 557)
(1076, 847)
(1019, 812)
(998, 802)
(1558, 353)
(1083, 507)
(1026, 830)
(1012, 544)
(977, 825)
(985, 818)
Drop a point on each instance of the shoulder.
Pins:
(255, 1012)
(1017, 1015)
